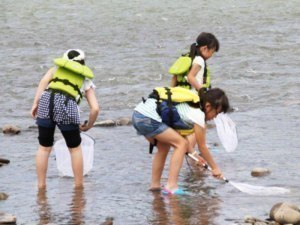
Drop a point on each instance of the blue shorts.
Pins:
(147, 126)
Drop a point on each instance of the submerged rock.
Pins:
(11, 129)
(108, 221)
(3, 196)
(259, 172)
(123, 121)
(256, 221)
(6, 218)
(285, 213)
(105, 123)
(4, 161)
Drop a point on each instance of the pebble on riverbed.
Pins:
(281, 213)
(11, 129)
(4, 161)
(3, 196)
(259, 172)
(6, 218)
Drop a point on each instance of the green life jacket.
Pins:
(69, 77)
(181, 68)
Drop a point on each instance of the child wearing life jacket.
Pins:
(149, 121)
(56, 104)
(190, 71)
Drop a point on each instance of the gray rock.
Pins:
(285, 213)
(105, 123)
(3, 196)
(123, 121)
(6, 218)
(11, 129)
(259, 172)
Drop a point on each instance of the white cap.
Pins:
(80, 57)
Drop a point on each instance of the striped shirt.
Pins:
(188, 114)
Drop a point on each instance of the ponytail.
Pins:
(194, 51)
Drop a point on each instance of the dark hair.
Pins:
(72, 54)
(216, 97)
(204, 39)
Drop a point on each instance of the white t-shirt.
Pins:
(199, 76)
(188, 114)
(87, 84)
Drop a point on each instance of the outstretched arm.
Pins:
(94, 109)
(201, 141)
(42, 86)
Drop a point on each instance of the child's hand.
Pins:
(33, 111)
(217, 173)
(84, 127)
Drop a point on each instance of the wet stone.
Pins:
(108, 221)
(105, 123)
(259, 172)
(4, 161)
(285, 213)
(6, 218)
(3, 196)
(123, 121)
(11, 129)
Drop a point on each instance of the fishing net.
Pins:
(226, 130)
(63, 158)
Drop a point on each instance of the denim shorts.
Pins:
(50, 124)
(147, 126)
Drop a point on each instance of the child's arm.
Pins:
(94, 109)
(192, 76)
(200, 137)
(174, 81)
(42, 86)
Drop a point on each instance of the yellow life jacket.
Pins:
(69, 77)
(166, 97)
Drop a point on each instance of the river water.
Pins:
(130, 46)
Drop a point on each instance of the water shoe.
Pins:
(177, 191)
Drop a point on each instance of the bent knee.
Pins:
(183, 145)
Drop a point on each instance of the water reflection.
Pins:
(44, 209)
(201, 206)
(75, 216)
(181, 210)
(77, 207)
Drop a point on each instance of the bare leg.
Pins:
(158, 164)
(42, 157)
(180, 145)
(192, 142)
(77, 165)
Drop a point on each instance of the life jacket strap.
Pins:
(151, 146)
(67, 82)
(169, 103)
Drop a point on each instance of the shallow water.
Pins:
(130, 46)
